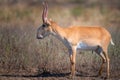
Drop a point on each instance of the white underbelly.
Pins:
(86, 46)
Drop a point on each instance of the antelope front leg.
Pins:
(73, 61)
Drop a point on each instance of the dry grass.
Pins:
(22, 55)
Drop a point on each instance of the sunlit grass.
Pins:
(20, 50)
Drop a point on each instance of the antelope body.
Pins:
(78, 38)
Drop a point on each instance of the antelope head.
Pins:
(45, 29)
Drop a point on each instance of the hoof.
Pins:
(71, 77)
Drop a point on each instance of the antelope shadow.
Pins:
(44, 74)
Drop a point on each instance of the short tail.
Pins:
(112, 42)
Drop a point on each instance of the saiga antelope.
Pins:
(76, 37)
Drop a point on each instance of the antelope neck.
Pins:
(59, 31)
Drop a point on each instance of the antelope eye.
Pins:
(43, 25)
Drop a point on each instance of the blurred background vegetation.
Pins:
(20, 51)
